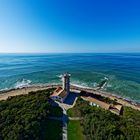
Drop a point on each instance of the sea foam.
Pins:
(22, 83)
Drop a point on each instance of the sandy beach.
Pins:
(22, 91)
(25, 90)
(120, 100)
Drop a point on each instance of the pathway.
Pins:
(64, 120)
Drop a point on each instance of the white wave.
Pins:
(109, 85)
(105, 78)
(95, 84)
(60, 76)
(79, 84)
(22, 83)
(4, 89)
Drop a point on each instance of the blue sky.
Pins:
(69, 26)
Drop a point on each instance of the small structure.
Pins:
(97, 102)
(116, 109)
(61, 93)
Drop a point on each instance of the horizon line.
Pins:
(59, 52)
(69, 52)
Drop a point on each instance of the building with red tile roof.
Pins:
(61, 93)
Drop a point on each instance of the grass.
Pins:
(73, 112)
(75, 131)
(70, 113)
(52, 130)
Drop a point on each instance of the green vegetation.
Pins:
(72, 112)
(52, 130)
(26, 117)
(75, 131)
(23, 117)
(99, 97)
(99, 124)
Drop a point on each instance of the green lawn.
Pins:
(75, 131)
(70, 113)
(52, 130)
(73, 112)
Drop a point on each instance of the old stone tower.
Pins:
(66, 82)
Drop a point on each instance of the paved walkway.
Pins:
(64, 120)
(65, 131)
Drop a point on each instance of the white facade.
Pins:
(61, 93)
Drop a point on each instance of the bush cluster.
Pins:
(22, 117)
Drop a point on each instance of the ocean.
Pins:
(86, 69)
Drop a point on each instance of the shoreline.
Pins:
(25, 90)
(121, 100)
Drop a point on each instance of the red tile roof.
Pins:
(59, 92)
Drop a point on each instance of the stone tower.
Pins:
(66, 82)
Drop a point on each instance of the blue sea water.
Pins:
(122, 70)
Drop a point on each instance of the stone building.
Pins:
(61, 93)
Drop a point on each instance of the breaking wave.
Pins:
(22, 83)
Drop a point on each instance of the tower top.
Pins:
(66, 74)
